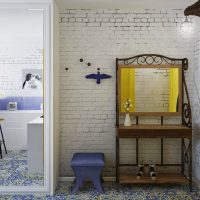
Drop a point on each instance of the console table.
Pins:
(128, 71)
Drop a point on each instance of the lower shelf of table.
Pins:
(161, 179)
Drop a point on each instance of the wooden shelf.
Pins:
(161, 179)
(154, 131)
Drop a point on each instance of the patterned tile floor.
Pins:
(112, 192)
(14, 171)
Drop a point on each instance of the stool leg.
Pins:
(79, 178)
(78, 183)
(0, 151)
(3, 139)
(96, 177)
(97, 185)
(74, 180)
(102, 180)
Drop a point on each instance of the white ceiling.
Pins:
(137, 4)
(21, 23)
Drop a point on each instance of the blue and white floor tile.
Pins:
(14, 170)
(112, 192)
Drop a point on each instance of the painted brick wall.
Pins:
(87, 109)
(196, 103)
(17, 54)
(21, 40)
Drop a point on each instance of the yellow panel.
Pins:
(127, 87)
(173, 89)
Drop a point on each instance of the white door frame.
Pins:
(45, 5)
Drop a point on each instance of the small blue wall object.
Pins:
(98, 76)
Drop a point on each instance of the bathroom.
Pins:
(21, 97)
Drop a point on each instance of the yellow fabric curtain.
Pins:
(173, 89)
(127, 87)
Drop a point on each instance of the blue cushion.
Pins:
(88, 159)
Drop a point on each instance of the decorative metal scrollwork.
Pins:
(187, 148)
(186, 158)
(150, 59)
(185, 63)
(186, 113)
(187, 119)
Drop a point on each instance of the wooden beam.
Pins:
(193, 9)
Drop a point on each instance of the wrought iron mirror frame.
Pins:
(150, 60)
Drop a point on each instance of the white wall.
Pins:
(196, 103)
(56, 99)
(21, 39)
(88, 110)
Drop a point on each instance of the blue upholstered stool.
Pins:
(88, 166)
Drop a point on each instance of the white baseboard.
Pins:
(71, 179)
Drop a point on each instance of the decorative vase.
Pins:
(127, 121)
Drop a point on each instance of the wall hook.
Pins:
(81, 60)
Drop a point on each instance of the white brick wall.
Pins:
(196, 103)
(21, 39)
(87, 109)
(17, 54)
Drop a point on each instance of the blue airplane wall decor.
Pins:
(98, 76)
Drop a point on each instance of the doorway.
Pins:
(25, 97)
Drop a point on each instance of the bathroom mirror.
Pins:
(24, 98)
(152, 89)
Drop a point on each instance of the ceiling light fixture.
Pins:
(194, 9)
(186, 26)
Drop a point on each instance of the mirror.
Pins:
(22, 97)
(151, 89)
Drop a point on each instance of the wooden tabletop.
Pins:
(154, 130)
